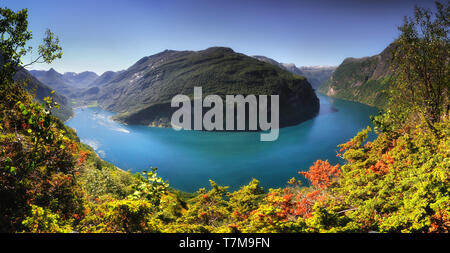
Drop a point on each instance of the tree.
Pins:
(13, 44)
(421, 64)
(37, 159)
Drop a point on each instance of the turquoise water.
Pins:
(188, 159)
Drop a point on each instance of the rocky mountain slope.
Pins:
(364, 80)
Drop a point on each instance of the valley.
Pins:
(188, 159)
(141, 94)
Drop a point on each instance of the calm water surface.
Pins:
(188, 159)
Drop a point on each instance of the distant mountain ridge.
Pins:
(82, 79)
(72, 84)
(293, 69)
(364, 80)
(54, 80)
(142, 94)
(316, 75)
(273, 62)
(71, 79)
(105, 78)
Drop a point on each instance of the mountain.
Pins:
(69, 84)
(54, 80)
(82, 79)
(289, 67)
(105, 78)
(315, 75)
(41, 91)
(364, 80)
(142, 94)
(293, 69)
(90, 92)
(270, 61)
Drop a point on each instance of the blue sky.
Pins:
(112, 35)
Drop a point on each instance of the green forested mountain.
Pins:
(142, 94)
(364, 80)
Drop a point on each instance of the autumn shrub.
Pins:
(45, 221)
(208, 207)
(120, 216)
(107, 180)
(397, 184)
(245, 200)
